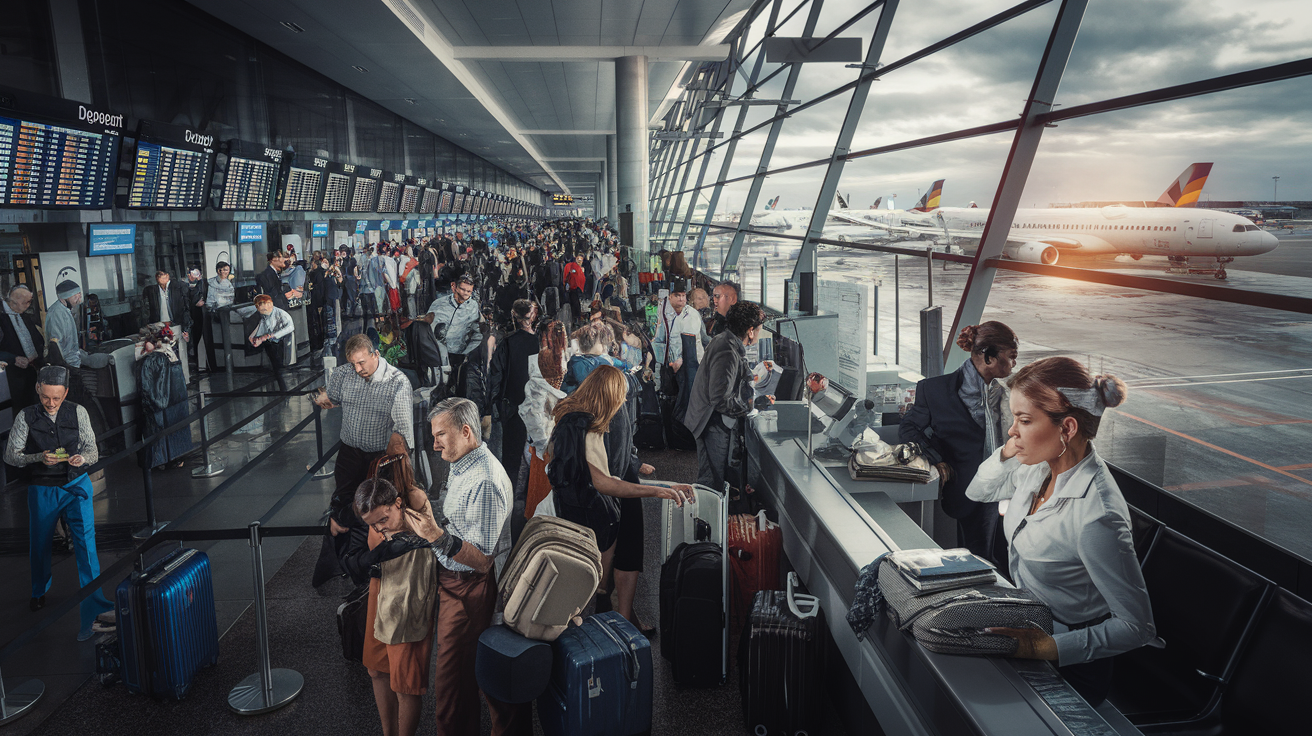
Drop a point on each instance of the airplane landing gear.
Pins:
(1220, 274)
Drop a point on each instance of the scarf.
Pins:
(984, 400)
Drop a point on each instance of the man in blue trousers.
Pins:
(54, 439)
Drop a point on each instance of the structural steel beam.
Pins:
(718, 52)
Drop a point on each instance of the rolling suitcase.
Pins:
(601, 682)
(166, 623)
(755, 545)
(694, 589)
(649, 433)
(511, 668)
(780, 663)
(550, 577)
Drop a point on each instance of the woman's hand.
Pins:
(1032, 643)
(646, 469)
(678, 493)
(76, 461)
(1009, 450)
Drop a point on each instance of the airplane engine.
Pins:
(1032, 253)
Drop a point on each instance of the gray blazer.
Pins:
(721, 385)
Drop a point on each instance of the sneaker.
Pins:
(108, 617)
(100, 627)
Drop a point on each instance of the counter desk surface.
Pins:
(830, 533)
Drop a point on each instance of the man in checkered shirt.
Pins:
(377, 418)
(477, 511)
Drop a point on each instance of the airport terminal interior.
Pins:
(857, 283)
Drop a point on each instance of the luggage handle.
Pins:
(633, 667)
(802, 606)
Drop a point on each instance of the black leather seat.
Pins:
(1269, 690)
(1144, 529)
(1203, 605)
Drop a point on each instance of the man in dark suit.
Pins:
(506, 381)
(956, 440)
(270, 282)
(722, 395)
(21, 346)
(167, 302)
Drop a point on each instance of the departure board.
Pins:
(48, 160)
(172, 168)
(458, 205)
(469, 204)
(365, 195)
(251, 177)
(409, 198)
(429, 204)
(336, 193)
(389, 197)
(445, 206)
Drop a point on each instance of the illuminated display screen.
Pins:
(45, 165)
(409, 198)
(390, 197)
(429, 204)
(251, 177)
(337, 192)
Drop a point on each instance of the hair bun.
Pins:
(1111, 388)
(966, 340)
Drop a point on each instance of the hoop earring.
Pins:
(1063, 445)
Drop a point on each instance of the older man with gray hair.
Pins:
(21, 346)
(477, 512)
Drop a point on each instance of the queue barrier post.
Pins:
(268, 689)
(18, 701)
(328, 469)
(210, 466)
(148, 489)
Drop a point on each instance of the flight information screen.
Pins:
(429, 204)
(445, 206)
(469, 204)
(458, 205)
(48, 165)
(172, 168)
(390, 197)
(336, 194)
(365, 195)
(409, 198)
(251, 177)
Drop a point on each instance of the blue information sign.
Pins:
(319, 229)
(112, 239)
(250, 232)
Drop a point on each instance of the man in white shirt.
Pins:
(274, 329)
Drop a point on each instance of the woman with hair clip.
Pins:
(578, 466)
(957, 421)
(545, 374)
(1068, 524)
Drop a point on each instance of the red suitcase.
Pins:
(755, 546)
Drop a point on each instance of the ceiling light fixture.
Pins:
(359, 68)
(292, 27)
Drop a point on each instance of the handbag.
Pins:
(874, 459)
(352, 615)
(407, 598)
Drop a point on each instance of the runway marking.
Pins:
(1301, 466)
(1212, 383)
(1132, 381)
(1219, 449)
(1238, 413)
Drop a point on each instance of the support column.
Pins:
(612, 182)
(70, 52)
(632, 146)
(1014, 174)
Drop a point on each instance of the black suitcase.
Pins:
(677, 436)
(649, 433)
(550, 300)
(692, 613)
(781, 663)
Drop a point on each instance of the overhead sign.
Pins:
(250, 232)
(109, 240)
(319, 229)
(562, 199)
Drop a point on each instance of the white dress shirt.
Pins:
(164, 315)
(1075, 553)
(689, 322)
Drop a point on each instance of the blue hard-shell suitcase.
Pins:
(166, 623)
(601, 680)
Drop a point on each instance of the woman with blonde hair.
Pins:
(1068, 524)
(578, 467)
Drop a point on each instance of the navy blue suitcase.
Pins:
(510, 667)
(166, 623)
(601, 680)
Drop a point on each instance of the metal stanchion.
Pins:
(328, 469)
(17, 701)
(152, 525)
(269, 689)
(224, 320)
(211, 466)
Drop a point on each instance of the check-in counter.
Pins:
(830, 533)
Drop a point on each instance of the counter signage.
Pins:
(250, 232)
(112, 239)
(319, 229)
(385, 225)
(361, 226)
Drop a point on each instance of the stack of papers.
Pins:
(930, 570)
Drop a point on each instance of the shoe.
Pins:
(109, 617)
(36, 604)
(100, 627)
(86, 634)
(648, 631)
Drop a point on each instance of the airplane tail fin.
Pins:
(931, 199)
(875, 206)
(1184, 191)
(772, 203)
(842, 203)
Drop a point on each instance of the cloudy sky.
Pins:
(1124, 46)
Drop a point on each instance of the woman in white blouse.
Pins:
(1067, 525)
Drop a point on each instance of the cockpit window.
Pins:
(1239, 228)
(1252, 227)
